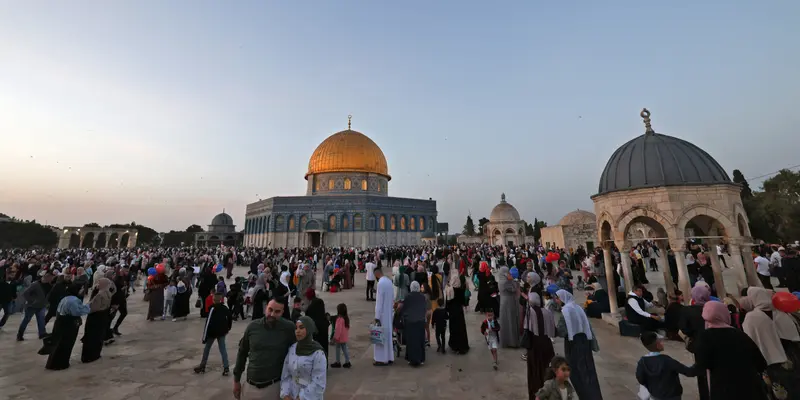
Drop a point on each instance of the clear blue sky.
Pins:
(167, 112)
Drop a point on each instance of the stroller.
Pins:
(397, 333)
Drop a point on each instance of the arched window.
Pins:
(371, 224)
(364, 185)
(357, 222)
(412, 224)
(393, 223)
(291, 223)
(332, 222)
(347, 184)
(421, 223)
(379, 186)
(383, 223)
(279, 222)
(303, 222)
(345, 222)
(330, 184)
(267, 223)
(316, 185)
(402, 223)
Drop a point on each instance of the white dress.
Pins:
(303, 377)
(384, 303)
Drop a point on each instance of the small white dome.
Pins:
(504, 212)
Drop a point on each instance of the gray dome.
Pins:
(654, 160)
(222, 219)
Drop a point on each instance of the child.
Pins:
(550, 303)
(557, 386)
(218, 324)
(659, 372)
(221, 288)
(248, 298)
(439, 321)
(341, 335)
(235, 299)
(490, 329)
(169, 298)
(297, 309)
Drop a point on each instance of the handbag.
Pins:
(198, 303)
(376, 334)
(146, 295)
(525, 341)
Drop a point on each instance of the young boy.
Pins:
(659, 372)
(297, 309)
(218, 324)
(169, 298)
(439, 321)
(490, 329)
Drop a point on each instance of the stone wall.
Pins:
(580, 235)
(335, 239)
(554, 235)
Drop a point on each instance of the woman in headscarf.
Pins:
(458, 341)
(599, 302)
(509, 310)
(306, 280)
(155, 295)
(316, 311)
(765, 330)
(541, 326)
(414, 322)
(208, 281)
(691, 325)
(97, 322)
(482, 277)
(182, 304)
(734, 362)
(305, 366)
(347, 284)
(261, 296)
(55, 295)
(579, 343)
(401, 281)
(65, 329)
(83, 280)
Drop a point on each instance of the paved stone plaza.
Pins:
(154, 360)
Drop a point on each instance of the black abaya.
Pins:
(414, 335)
(65, 332)
(581, 361)
(316, 311)
(182, 305)
(458, 340)
(93, 335)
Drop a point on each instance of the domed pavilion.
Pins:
(347, 203)
(681, 194)
(578, 228)
(221, 231)
(505, 227)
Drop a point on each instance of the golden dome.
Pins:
(348, 151)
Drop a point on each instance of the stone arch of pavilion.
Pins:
(89, 237)
(669, 184)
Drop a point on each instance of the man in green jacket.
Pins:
(265, 342)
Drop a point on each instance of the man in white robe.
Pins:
(384, 306)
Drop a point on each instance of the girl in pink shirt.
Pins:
(341, 332)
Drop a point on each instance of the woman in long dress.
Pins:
(733, 360)
(316, 311)
(509, 310)
(155, 294)
(458, 341)
(304, 374)
(65, 329)
(579, 343)
(94, 331)
(306, 280)
(482, 275)
(541, 325)
(182, 305)
(764, 325)
(414, 321)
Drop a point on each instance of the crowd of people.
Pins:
(526, 293)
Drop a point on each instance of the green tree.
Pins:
(92, 225)
(774, 212)
(739, 178)
(20, 234)
(469, 227)
(528, 229)
(481, 222)
(537, 229)
(194, 228)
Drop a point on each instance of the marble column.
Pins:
(608, 260)
(63, 241)
(719, 282)
(626, 265)
(683, 274)
(663, 265)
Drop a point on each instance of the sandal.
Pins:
(379, 364)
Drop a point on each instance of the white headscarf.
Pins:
(574, 317)
(414, 286)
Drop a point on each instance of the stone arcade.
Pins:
(89, 237)
(347, 203)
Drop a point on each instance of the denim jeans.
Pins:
(7, 309)
(222, 351)
(29, 313)
(342, 347)
(167, 308)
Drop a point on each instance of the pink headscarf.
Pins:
(701, 295)
(716, 315)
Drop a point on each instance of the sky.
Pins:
(166, 113)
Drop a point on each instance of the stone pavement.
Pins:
(154, 360)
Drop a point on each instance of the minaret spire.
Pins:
(349, 117)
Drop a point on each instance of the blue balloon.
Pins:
(514, 272)
(219, 268)
(714, 298)
(552, 289)
(797, 294)
(151, 271)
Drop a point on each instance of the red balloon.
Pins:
(786, 302)
(160, 268)
(151, 278)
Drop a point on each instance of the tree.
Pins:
(20, 234)
(774, 212)
(92, 225)
(537, 229)
(528, 229)
(194, 228)
(739, 178)
(469, 227)
(481, 222)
